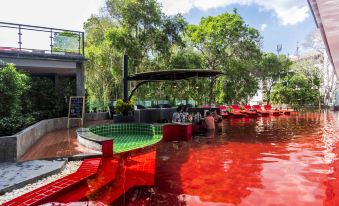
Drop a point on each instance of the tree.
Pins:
(136, 28)
(143, 32)
(297, 90)
(12, 85)
(222, 38)
(271, 69)
(103, 68)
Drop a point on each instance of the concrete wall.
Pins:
(29, 136)
(156, 115)
(8, 149)
(13, 147)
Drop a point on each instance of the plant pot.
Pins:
(123, 119)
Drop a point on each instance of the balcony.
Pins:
(19, 40)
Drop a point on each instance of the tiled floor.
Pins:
(60, 143)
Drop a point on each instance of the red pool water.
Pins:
(286, 160)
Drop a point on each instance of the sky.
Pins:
(283, 22)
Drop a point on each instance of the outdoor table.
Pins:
(177, 132)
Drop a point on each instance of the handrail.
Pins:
(22, 27)
(40, 27)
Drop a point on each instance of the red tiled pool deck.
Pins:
(60, 143)
(99, 180)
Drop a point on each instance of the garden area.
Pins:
(27, 99)
(155, 42)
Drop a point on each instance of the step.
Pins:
(54, 189)
(105, 174)
(135, 172)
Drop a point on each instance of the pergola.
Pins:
(165, 75)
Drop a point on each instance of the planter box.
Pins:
(123, 119)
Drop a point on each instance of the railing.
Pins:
(42, 40)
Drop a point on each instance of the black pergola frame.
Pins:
(163, 75)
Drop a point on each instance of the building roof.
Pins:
(326, 15)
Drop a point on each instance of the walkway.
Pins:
(60, 143)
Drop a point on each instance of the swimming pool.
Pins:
(287, 160)
(126, 137)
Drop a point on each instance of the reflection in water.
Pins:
(287, 160)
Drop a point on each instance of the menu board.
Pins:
(76, 108)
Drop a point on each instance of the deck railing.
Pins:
(42, 40)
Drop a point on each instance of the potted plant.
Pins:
(124, 108)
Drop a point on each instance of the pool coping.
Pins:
(96, 142)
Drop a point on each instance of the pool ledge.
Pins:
(90, 140)
(127, 137)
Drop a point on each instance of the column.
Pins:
(80, 79)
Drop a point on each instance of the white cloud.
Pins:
(289, 12)
(263, 27)
(65, 14)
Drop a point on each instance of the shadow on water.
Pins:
(287, 160)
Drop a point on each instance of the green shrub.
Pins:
(12, 85)
(124, 107)
(25, 100)
(15, 123)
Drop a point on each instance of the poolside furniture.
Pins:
(274, 112)
(260, 111)
(249, 111)
(236, 111)
(223, 111)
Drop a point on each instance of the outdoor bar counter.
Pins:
(177, 131)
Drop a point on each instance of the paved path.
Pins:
(14, 175)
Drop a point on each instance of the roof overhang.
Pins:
(326, 15)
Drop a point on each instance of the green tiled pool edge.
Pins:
(128, 137)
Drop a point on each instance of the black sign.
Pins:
(76, 107)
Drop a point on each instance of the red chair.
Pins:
(271, 111)
(236, 111)
(249, 111)
(223, 111)
(260, 111)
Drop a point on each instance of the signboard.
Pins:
(76, 108)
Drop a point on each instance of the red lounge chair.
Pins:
(236, 111)
(249, 111)
(260, 111)
(272, 111)
(223, 111)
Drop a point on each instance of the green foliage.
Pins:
(12, 85)
(223, 39)
(25, 99)
(13, 124)
(136, 28)
(186, 59)
(143, 31)
(297, 90)
(123, 108)
(271, 69)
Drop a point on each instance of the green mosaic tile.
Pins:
(130, 136)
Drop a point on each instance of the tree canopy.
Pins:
(154, 41)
